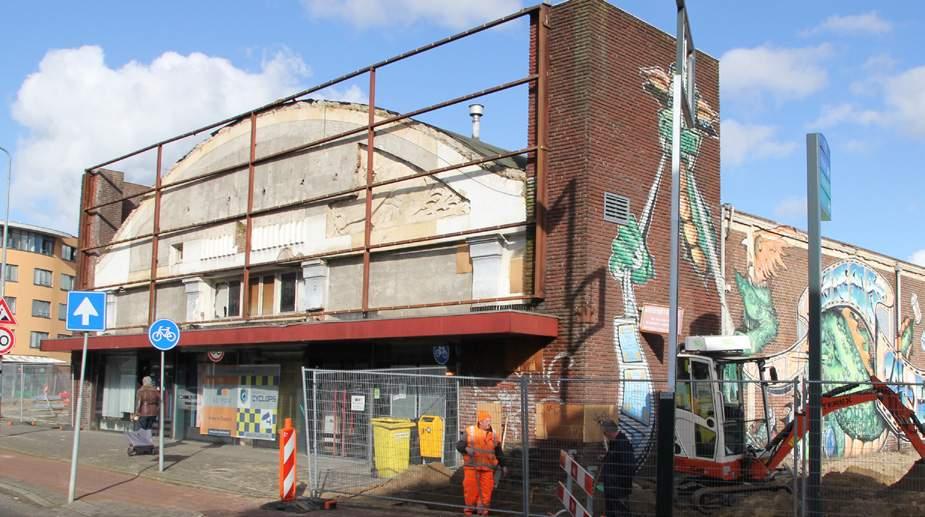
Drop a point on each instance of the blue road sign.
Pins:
(86, 311)
(164, 334)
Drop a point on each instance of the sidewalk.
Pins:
(199, 478)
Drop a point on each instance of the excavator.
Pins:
(714, 462)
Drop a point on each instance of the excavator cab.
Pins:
(710, 423)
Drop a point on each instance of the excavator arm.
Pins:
(839, 398)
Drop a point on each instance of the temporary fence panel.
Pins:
(372, 433)
(741, 444)
(36, 393)
(869, 465)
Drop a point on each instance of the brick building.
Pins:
(264, 252)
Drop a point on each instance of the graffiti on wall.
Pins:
(860, 337)
(631, 262)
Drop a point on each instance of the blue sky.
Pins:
(83, 82)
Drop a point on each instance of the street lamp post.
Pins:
(6, 227)
(6, 222)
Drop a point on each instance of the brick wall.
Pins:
(766, 267)
(608, 90)
(99, 228)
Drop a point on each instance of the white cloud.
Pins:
(918, 257)
(784, 73)
(79, 112)
(905, 99)
(370, 13)
(791, 208)
(873, 74)
(867, 23)
(845, 113)
(744, 142)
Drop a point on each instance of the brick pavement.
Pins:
(199, 480)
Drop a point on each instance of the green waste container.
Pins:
(392, 445)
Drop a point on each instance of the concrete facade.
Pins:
(449, 202)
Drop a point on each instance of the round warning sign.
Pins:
(6, 340)
(216, 357)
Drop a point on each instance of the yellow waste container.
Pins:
(392, 445)
(430, 435)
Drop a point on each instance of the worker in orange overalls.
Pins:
(482, 455)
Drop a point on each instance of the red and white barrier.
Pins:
(570, 503)
(581, 476)
(287, 462)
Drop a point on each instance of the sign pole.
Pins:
(160, 437)
(80, 398)
(819, 208)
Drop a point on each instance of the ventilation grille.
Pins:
(616, 208)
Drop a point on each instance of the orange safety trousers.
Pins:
(477, 487)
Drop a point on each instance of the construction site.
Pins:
(381, 273)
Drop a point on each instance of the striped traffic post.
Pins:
(287, 456)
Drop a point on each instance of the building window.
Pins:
(25, 240)
(67, 282)
(228, 299)
(68, 253)
(41, 309)
(287, 292)
(62, 311)
(11, 303)
(35, 340)
(42, 277)
(12, 273)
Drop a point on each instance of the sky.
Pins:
(84, 82)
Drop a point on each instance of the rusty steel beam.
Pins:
(249, 220)
(340, 253)
(86, 226)
(385, 308)
(368, 202)
(285, 153)
(120, 200)
(541, 127)
(279, 102)
(152, 282)
(313, 200)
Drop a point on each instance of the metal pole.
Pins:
(6, 226)
(308, 442)
(72, 486)
(796, 448)
(525, 440)
(160, 422)
(666, 424)
(815, 319)
(22, 390)
(315, 430)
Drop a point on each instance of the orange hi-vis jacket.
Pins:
(483, 443)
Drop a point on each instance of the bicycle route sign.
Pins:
(164, 334)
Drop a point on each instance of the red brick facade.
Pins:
(607, 89)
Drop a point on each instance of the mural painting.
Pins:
(859, 338)
(632, 265)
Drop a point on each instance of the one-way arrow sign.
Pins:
(86, 311)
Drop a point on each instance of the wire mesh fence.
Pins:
(589, 445)
(36, 393)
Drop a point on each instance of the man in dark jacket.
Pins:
(616, 474)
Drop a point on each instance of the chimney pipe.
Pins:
(476, 111)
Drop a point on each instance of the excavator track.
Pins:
(709, 499)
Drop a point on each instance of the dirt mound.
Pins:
(913, 481)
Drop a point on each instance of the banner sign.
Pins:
(239, 401)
